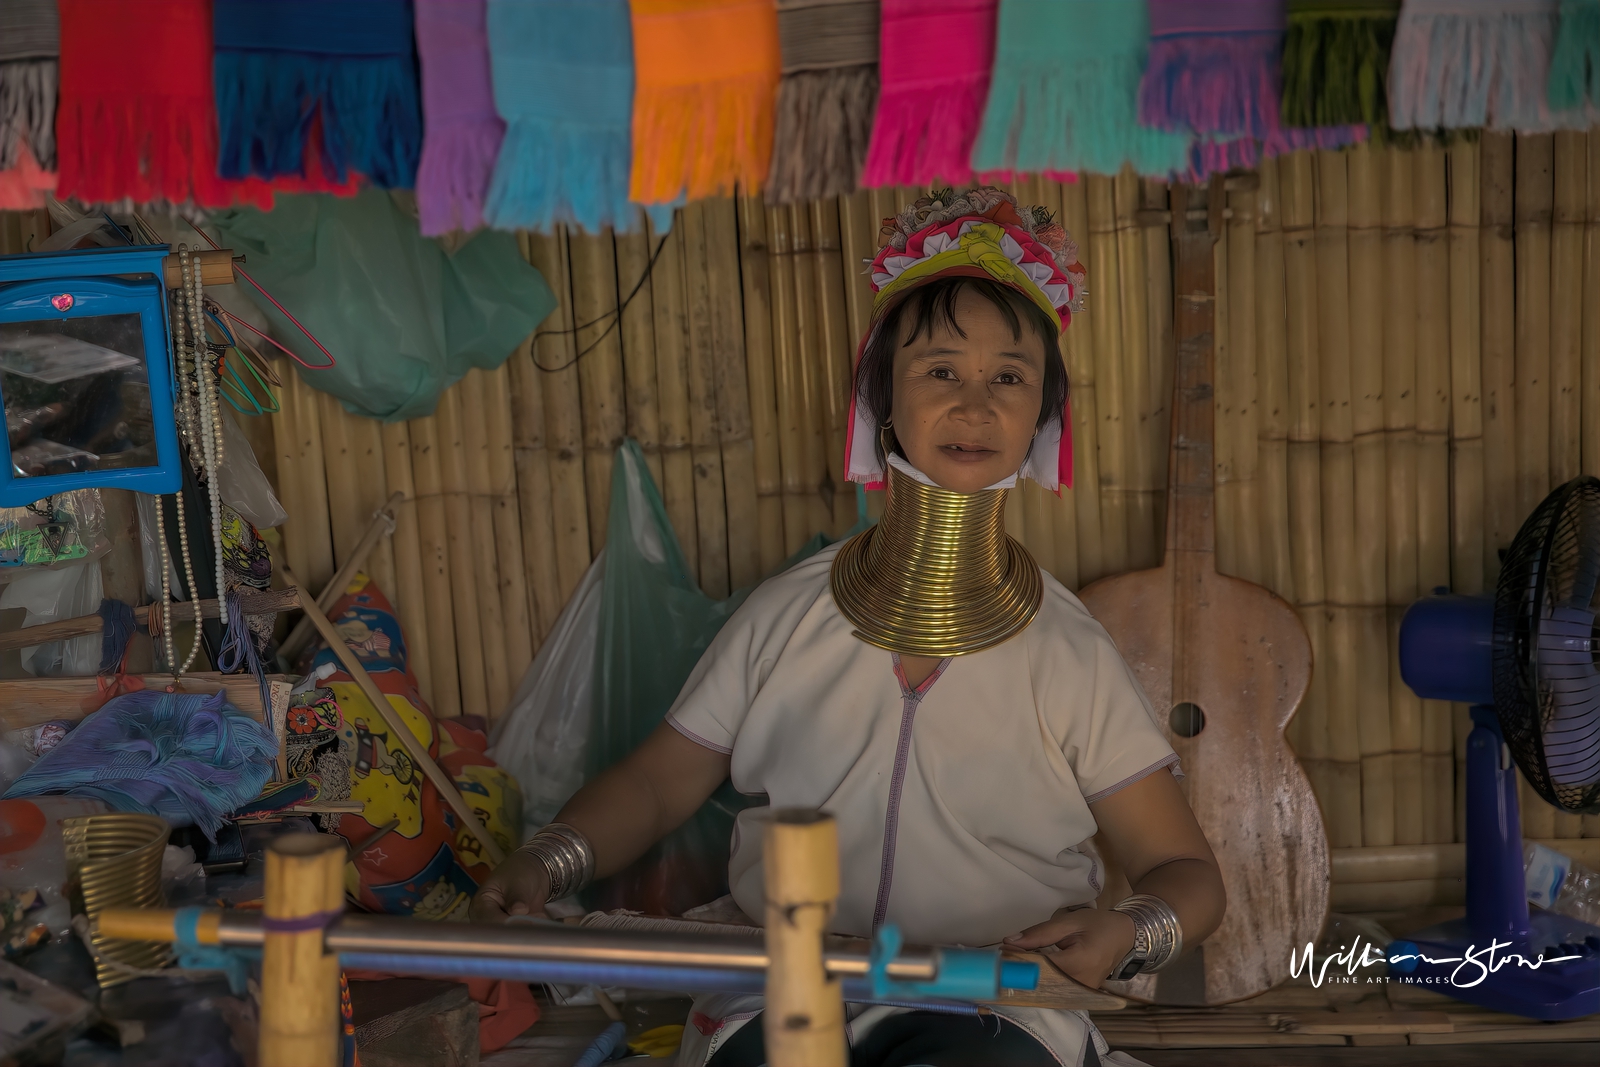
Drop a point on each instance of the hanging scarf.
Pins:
(1215, 69)
(136, 118)
(1463, 63)
(1066, 89)
(339, 73)
(1335, 61)
(1575, 68)
(935, 58)
(826, 99)
(563, 81)
(30, 47)
(461, 131)
(707, 73)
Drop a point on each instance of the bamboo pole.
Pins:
(788, 360)
(837, 359)
(1589, 406)
(434, 537)
(755, 268)
(303, 476)
(804, 1020)
(378, 526)
(1225, 504)
(859, 224)
(373, 485)
(534, 492)
(345, 517)
(1237, 417)
(809, 350)
(409, 598)
(1062, 507)
(1157, 414)
(1498, 340)
(1533, 199)
(600, 382)
(639, 347)
(1147, 471)
(470, 406)
(1571, 159)
(512, 570)
(1079, 349)
(729, 366)
(1433, 458)
(711, 516)
(1110, 379)
(1342, 563)
(670, 305)
(1272, 388)
(299, 980)
(473, 661)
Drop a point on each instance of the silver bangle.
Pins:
(567, 855)
(1157, 935)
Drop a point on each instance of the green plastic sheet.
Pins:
(403, 318)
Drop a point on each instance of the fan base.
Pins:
(1450, 958)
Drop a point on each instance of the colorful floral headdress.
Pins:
(977, 233)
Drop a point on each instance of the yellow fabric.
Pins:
(705, 93)
(978, 247)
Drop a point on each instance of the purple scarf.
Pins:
(462, 131)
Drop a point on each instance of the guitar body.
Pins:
(1240, 653)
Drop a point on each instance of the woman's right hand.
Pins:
(519, 886)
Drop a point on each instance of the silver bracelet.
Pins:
(567, 855)
(1157, 936)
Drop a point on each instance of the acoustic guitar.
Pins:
(1227, 663)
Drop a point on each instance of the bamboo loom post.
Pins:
(471, 407)
(1147, 468)
(639, 347)
(1110, 378)
(1590, 357)
(670, 306)
(837, 359)
(1343, 660)
(511, 568)
(410, 599)
(1401, 311)
(804, 1018)
(1078, 346)
(299, 980)
(1157, 416)
(809, 350)
(729, 367)
(1498, 273)
(755, 270)
(434, 542)
(1571, 160)
(1433, 458)
(1272, 388)
(604, 415)
(711, 516)
(1237, 420)
(790, 379)
(472, 659)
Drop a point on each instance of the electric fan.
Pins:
(1528, 662)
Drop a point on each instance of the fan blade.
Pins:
(1568, 675)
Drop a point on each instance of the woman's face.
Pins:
(965, 408)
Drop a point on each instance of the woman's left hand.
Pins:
(1091, 941)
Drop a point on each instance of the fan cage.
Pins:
(1554, 557)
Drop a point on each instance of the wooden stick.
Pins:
(1501, 513)
(250, 603)
(711, 514)
(434, 545)
(728, 367)
(755, 270)
(672, 379)
(1078, 346)
(380, 703)
(518, 632)
(410, 600)
(382, 523)
(216, 267)
(472, 408)
(837, 359)
(299, 980)
(1533, 199)
(1110, 379)
(1571, 159)
(804, 1020)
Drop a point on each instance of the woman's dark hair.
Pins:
(934, 305)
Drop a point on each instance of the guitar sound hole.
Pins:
(1186, 719)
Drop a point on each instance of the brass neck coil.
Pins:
(938, 575)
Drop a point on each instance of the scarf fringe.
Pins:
(1575, 67)
(1448, 71)
(560, 173)
(1334, 70)
(1077, 116)
(925, 133)
(145, 148)
(371, 115)
(700, 140)
(823, 129)
(28, 112)
(458, 160)
(1212, 84)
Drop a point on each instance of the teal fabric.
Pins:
(1065, 91)
(1575, 67)
(403, 318)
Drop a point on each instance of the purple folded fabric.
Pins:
(461, 129)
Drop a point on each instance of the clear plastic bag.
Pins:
(49, 595)
(244, 487)
(56, 530)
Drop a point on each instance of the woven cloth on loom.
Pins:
(1215, 69)
(707, 74)
(1464, 63)
(1065, 92)
(136, 117)
(826, 99)
(1575, 67)
(563, 81)
(338, 73)
(935, 58)
(461, 129)
(1336, 60)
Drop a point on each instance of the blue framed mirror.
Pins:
(86, 374)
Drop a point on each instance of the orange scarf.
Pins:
(706, 78)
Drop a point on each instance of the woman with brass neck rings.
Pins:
(967, 723)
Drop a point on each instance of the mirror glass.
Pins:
(77, 395)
